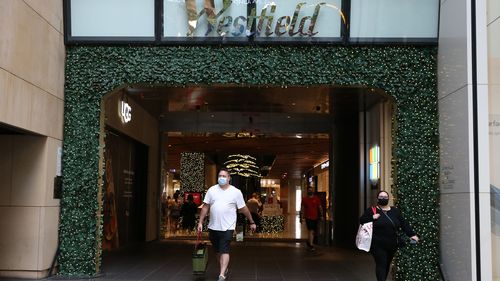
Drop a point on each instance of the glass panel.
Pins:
(394, 18)
(495, 190)
(112, 18)
(298, 19)
(205, 18)
(493, 30)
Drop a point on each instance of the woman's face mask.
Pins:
(383, 201)
(222, 181)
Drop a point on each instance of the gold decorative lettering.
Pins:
(263, 16)
(280, 25)
(239, 28)
(314, 18)
(209, 10)
(302, 23)
(224, 25)
(291, 31)
(252, 17)
(209, 7)
(192, 16)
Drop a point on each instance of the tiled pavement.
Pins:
(263, 261)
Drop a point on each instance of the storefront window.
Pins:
(245, 21)
(394, 18)
(112, 18)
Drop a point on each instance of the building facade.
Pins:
(459, 84)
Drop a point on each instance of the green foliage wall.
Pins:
(406, 73)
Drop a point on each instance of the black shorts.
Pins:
(311, 224)
(221, 240)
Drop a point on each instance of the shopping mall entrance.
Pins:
(277, 141)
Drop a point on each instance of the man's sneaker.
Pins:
(221, 278)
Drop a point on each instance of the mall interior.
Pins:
(274, 141)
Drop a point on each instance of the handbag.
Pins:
(365, 233)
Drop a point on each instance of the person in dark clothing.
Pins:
(386, 222)
(188, 213)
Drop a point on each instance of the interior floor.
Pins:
(256, 261)
(294, 230)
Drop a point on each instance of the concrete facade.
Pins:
(32, 57)
(465, 194)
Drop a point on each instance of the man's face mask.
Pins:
(222, 181)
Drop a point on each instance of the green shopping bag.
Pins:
(200, 256)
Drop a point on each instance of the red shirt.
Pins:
(310, 206)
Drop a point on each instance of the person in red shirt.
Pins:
(311, 210)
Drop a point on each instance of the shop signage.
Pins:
(223, 24)
(125, 112)
(167, 22)
(374, 163)
(261, 18)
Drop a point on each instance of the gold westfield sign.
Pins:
(213, 22)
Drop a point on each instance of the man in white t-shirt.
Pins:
(223, 200)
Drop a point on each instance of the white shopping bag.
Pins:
(239, 236)
(364, 236)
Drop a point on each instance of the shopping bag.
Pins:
(364, 236)
(200, 256)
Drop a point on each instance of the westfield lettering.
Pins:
(220, 23)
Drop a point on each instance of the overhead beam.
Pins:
(221, 122)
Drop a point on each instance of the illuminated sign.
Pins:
(125, 112)
(325, 165)
(374, 163)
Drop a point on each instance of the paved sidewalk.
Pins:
(256, 261)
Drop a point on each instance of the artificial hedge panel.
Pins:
(192, 172)
(407, 73)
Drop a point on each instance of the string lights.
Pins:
(243, 165)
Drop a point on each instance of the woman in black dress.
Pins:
(188, 213)
(386, 222)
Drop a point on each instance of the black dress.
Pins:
(188, 213)
(384, 238)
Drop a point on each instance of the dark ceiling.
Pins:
(284, 154)
(293, 154)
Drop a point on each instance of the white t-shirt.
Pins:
(223, 206)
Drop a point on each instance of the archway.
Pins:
(406, 73)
